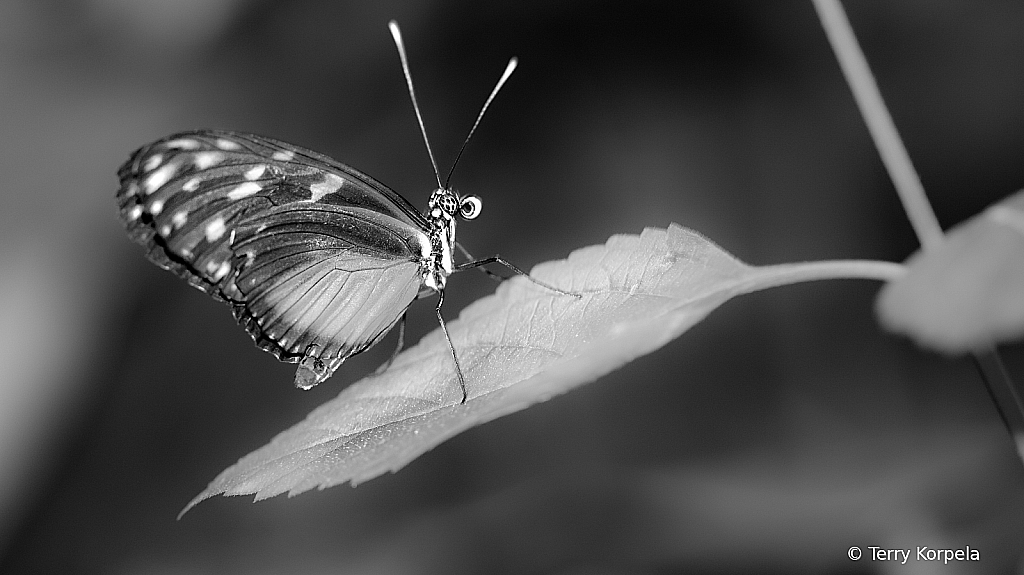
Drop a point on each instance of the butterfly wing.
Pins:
(317, 259)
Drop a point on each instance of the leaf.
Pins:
(968, 293)
(520, 346)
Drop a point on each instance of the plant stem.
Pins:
(1003, 394)
(911, 191)
(883, 130)
(791, 273)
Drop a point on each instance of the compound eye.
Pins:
(448, 204)
(471, 207)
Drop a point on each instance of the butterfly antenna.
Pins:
(508, 72)
(397, 35)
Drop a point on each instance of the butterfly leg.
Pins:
(496, 277)
(499, 260)
(455, 358)
(398, 348)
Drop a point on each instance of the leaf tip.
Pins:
(195, 501)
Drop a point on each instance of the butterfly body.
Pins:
(318, 260)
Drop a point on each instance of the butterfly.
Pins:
(318, 260)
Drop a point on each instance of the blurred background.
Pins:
(775, 435)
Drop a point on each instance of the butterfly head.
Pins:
(445, 204)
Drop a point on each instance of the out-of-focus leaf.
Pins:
(967, 294)
(522, 345)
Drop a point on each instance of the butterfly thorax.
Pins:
(441, 210)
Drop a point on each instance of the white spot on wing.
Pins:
(191, 185)
(183, 143)
(135, 212)
(225, 144)
(156, 207)
(283, 155)
(165, 230)
(152, 162)
(331, 184)
(215, 229)
(218, 270)
(158, 178)
(244, 190)
(255, 172)
(179, 219)
(205, 160)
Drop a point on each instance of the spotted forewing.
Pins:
(317, 260)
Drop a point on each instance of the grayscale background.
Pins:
(781, 431)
